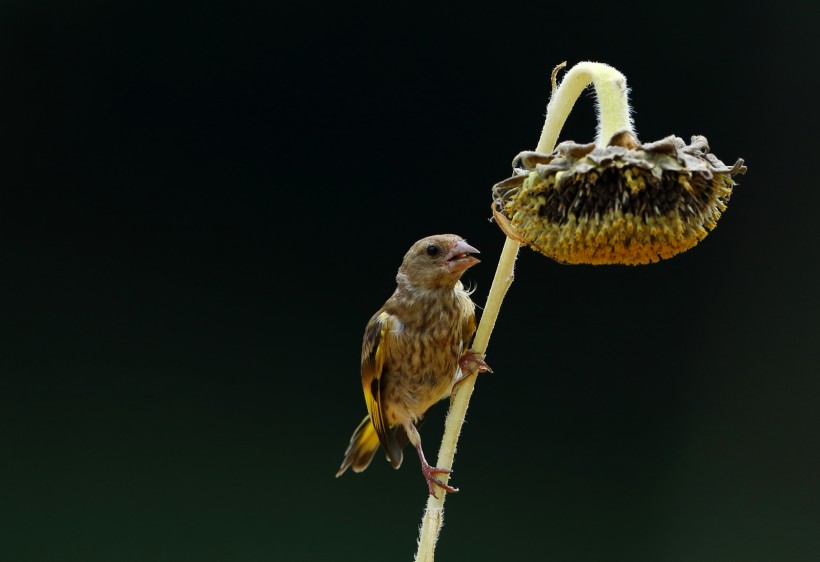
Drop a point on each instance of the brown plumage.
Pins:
(414, 351)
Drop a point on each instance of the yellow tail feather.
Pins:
(363, 445)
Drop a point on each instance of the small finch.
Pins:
(414, 352)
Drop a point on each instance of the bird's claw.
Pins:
(430, 475)
(473, 362)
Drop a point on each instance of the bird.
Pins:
(414, 351)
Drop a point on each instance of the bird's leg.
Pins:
(426, 469)
(430, 474)
(472, 362)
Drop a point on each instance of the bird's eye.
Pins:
(432, 250)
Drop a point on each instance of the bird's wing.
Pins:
(467, 331)
(375, 349)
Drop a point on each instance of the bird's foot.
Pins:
(472, 362)
(430, 472)
(433, 482)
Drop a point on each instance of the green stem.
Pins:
(613, 105)
(434, 514)
(613, 117)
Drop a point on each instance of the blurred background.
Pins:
(203, 203)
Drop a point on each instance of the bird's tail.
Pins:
(363, 445)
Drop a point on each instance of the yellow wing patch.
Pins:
(374, 351)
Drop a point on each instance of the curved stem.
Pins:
(613, 117)
(613, 103)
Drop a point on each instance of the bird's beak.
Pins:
(459, 258)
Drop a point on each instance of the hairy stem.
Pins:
(610, 91)
(613, 117)
(434, 514)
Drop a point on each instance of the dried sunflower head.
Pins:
(627, 203)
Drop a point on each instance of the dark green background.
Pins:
(203, 203)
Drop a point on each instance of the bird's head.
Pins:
(438, 261)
